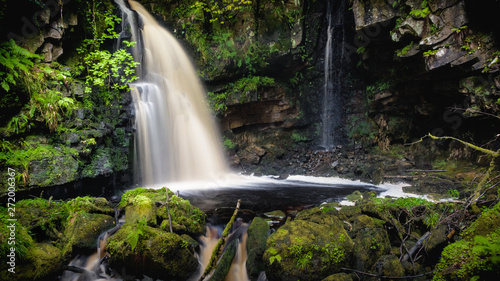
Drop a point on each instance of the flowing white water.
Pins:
(334, 54)
(328, 137)
(176, 137)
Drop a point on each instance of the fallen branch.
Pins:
(217, 252)
(74, 269)
(417, 246)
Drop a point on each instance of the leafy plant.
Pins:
(114, 70)
(274, 255)
(423, 12)
(375, 245)
(454, 193)
(430, 53)
(460, 29)
(297, 137)
(431, 220)
(133, 236)
(16, 63)
(228, 143)
(402, 52)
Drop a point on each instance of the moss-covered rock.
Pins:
(42, 260)
(371, 241)
(142, 208)
(338, 277)
(355, 196)
(258, 232)
(45, 219)
(307, 250)
(140, 204)
(154, 252)
(388, 265)
(477, 255)
(437, 240)
(84, 228)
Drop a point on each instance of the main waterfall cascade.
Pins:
(176, 137)
(332, 101)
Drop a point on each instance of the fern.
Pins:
(15, 62)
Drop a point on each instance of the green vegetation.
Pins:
(402, 52)
(430, 53)
(274, 256)
(423, 12)
(240, 91)
(298, 138)
(228, 143)
(460, 29)
(103, 68)
(138, 231)
(477, 255)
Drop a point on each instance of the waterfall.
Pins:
(176, 136)
(332, 101)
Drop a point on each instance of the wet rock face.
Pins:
(272, 107)
(415, 56)
(370, 13)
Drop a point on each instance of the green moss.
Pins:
(477, 255)
(90, 205)
(185, 217)
(22, 239)
(41, 164)
(142, 208)
(338, 277)
(43, 218)
(307, 250)
(160, 254)
(485, 224)
(155, 195)
(371, 241)
(44, 259)
(355, 196)
(83, 229)
(258, 232)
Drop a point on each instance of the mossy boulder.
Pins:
(151, 251)
(338, 277)
(84, 228)
(42, 260)
(90, 205)
(52, 166)
(437, 240)
(186, 218)
(388, 265)
(142, 208)
(45, 219)
(258, 232)
(477, 255)
(141, 204)
(488, 222)
(307, 250)
(371, 241)
(320, 215)
(355, 196)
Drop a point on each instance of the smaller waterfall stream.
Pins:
(332, 101)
